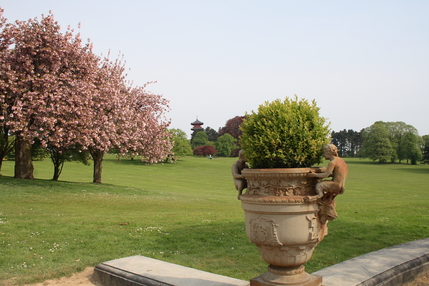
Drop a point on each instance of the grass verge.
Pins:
(185, 213)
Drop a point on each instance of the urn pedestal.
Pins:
(281, 213)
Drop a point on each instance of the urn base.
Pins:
(287, 276)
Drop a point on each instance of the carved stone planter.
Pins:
(281, 213)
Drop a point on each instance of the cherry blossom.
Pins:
(53, 88)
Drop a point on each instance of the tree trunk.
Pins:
(58, 161)
(97, 156)
(6, 146)
(23, 163)
(57, 172)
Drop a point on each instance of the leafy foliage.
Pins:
(348, 142)
(397, 132)
(225, 144)
(232, 127)
(410, 148)
(425, 158)
(205, 150)
(391, 141)
(212, 134)
(182, 146)
(60, 156)
(200, 139)
(37, 151)
(6, 144)
(284, 134)
(376, 143)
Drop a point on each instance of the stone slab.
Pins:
(390, 266)
(143, 271)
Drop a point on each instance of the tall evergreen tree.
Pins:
(212, 134)
(348, 142)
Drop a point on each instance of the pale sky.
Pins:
(362, 61)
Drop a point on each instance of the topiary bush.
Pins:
(284, 134)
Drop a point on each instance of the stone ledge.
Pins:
(143, 271)
(390, 266)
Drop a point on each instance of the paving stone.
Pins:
(390, 266)
(139, 270)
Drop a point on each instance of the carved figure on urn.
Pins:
(327, 190)
(239, 181)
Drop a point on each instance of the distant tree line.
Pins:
(393, 142)
(383, 142)
(348, 142)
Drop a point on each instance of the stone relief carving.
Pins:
(312, 227)
(277, 186)
(263, 231)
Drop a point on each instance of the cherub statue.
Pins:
(239, 181)
(327, 190)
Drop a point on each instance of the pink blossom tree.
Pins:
(148, 135)
(6, 144)
(44, 76)
(125, 118)
(54, 89)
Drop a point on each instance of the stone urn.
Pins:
(281, 214)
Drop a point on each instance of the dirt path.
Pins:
(421, 281)
(83, 278)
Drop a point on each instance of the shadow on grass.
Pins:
(42, 182)
(136, 162)
(44, 185)
(216, 247)
(357, 161)
(413, 170)
(347, 240)
(126, 161)
(402, 166)
(226, 244)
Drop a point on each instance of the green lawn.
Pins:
(185, 213)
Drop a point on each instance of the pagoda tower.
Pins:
(196, 126)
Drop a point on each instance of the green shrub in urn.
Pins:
(284, 134)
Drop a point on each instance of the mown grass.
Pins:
(185, 213)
